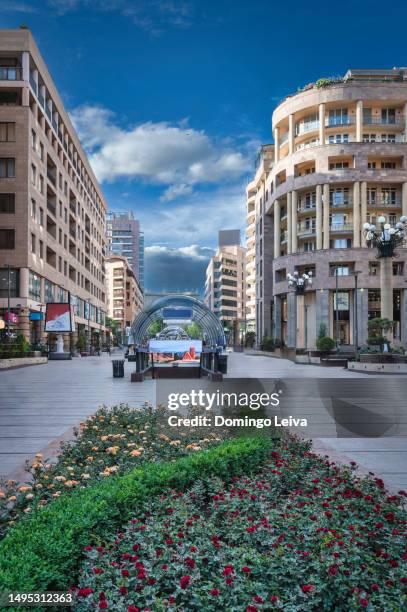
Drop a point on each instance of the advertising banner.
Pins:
(176, 346)
(59, 318)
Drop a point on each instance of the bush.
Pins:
(110, 442)
(325, 344)
(81, 342)
(267, 344)
(43, 550)
(303, 534)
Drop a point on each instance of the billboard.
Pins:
(175, 346)
(59, 318)
(177, 314)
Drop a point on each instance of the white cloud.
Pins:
(176, 269)
(159, 153)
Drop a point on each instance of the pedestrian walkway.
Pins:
(40, 404)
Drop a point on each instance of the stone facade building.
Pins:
(339, 161)
(52, 210)
(124, 294)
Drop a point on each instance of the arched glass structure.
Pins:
(211, 326)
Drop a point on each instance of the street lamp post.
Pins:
(355, 314)
(386, 239)
(300, 283)
(336, 307)
(8, 302)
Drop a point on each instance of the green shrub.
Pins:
(325, 344)
(267, 344)
(43, 550)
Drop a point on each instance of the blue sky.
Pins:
(172, 99)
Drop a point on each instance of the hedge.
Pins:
(43, 551)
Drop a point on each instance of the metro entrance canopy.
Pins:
(212, 329)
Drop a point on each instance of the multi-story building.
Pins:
(258, 286)
(124, 294)
(125, 238)
(225, 285)
(52, 211)
(340, 161)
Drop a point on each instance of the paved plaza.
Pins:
(39, 405)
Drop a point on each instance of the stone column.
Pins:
(359, 121)
(363, 211)
(386, 288)
(291, 319)
(322, 124)
(289, 223)
(291, 134)
(326, 217)
(404, 199)
(356, 214)
(318, 212)
(405, 122)
(362, 315)
(277, 228)
(322, 310)
(24, 276)
(276, 144)
(25, 61)
(24, 323)
(404, 316)
(294, 204)
(277, 317)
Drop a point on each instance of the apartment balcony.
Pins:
(306, 208)
(338, 121)
(51, 177)
(341, 227)
(307, 145)
(283, 139)
(390, 203)
(11, 73)
(283, 237)
(305, 232)
(33, 84)
(346, 203)
(51, 207)
(308, 126)
(388, 121)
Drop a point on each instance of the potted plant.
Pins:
(81, 343)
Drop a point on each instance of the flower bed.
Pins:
(304, 534)
(111, 442)
(43, 551)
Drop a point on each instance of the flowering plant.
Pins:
(304, 534)
(110, 442)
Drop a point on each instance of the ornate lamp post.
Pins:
(386, 239)
(300, 283)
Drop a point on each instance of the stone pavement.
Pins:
(40, 404)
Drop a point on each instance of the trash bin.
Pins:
(118, 368)
(223, 364)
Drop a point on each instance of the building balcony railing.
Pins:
(33, 84)
(51, 178)
(308, 126)
(341, 227)
(283, 139)
(306, 207)
(307, 145)
(344, 204)
(306, 231)
(11, 73)
(398, 121)
(337, 121)
(52, 208)
(387, 203)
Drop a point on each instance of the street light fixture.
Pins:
(386, 240)
(355, 314)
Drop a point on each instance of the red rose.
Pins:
(171, 599)
(169, 541)
(136, 547)
(102, 595)
(88, 548)
(193, 549)
(132, 609)
(274, 598)
(332, 570)
(184, 582)
(100, 548)
(84, 592)
(258, 599)
(363, 602)
(125, 573)
(103, 605)
(190, 562)
(251, 609)
(228, 570)
(229, 581)
(375, 587)
(97, 570)
(328, 514)
(214, 592)
(123, 590)
(246, 569)
(307, 588)
(165, 567)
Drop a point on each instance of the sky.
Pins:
(172, 99)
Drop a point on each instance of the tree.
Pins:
(115, 330)
(378, 328)
(194, 331)
(325, 344)
(155, 328)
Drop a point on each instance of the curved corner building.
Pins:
(339, 161)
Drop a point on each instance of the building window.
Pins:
(7, 239)
(7, 203)
(49, 291)
(13, 278)
(33, 243)
(371, 165)
(388, 196)
(41, 250)
(41, 184)
(7, 167)
(339, 196)
(339, 165)
(41, 220)
(371, 195)
(341, 243)
(33, 174)
(374, 268)
(388, 165)
(398, 268)
(7, 132)
(338, 138)
(33, 140)
(41, 151)
(389, 115)
(338, 116)
(335, 270)
(33, 209)
(34, 286)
